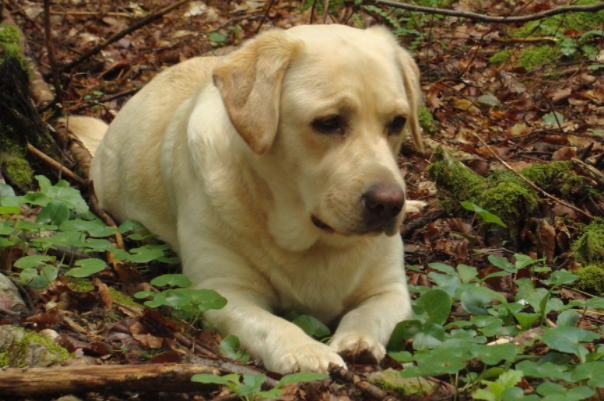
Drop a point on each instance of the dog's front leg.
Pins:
(281, 345)
(364, 331)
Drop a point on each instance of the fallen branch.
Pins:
(145, 21)
(532, 184)
(103, 378)
(56, 165)
(341, 374)
(488, 18)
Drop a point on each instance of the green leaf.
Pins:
(66, 239)
(437, 305)
(484, 215)
(441, 267)
(33, 278)
(568, 46)
(211, 379)
(495, 354)
(593, 372)
(54, 213)
(7, 210)
(476, 302)
(88, 267)
(429, 336)
(553, 118)
(6, 191)
(28, 262)
(526, 320)
(596, 303)
(447, 283)
(252, 384)
(568, 318)
(230, 347)
(95, 227)
(302, 377)
(560, 277)
(544, 370)
(217, 37)
(467, 273)
(311, 326)
(569, 339)
(503, 264)
(145, 254)
(172, 280)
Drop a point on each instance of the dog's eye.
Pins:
(329, 125)
(396, 126)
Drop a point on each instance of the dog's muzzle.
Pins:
(382, 204)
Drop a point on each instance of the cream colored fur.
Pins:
(219, 157)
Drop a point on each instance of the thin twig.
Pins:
(145, 21)
(98, 210)
(265, 16)
(489, 18)
(532, 184)
(96, 13)
(312, 12)
(325, 11)
(56, 165)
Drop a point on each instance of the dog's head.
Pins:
(327, 107)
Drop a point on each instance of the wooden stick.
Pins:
(488, 18)
(103, 378)
(145, 21)
(532, 184)
(54, 164)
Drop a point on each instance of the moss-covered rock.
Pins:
(455, 182)
(537, 56)
(21, 348)
(558, 178)
(511, 200)
(500, 57)
(391, 380)
(589, 248)
(590, 279)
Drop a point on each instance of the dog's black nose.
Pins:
(382, 203)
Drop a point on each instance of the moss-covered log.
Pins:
(20, 122)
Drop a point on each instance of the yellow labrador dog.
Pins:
(272, 171)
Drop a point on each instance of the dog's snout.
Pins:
(383, 203)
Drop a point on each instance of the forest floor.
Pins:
(513, 267)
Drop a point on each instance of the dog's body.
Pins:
(269, 171)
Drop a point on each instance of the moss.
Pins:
(455, 182)
(556, 25)
(538, 56)
(9, 43)
(589, 248)
(511, 200)
(122, 298)
(426, 120)
(500, 57)
(391, 380)
(559, 178)
(20, 348)
(80, 284)
(19, 172)
(590, 279)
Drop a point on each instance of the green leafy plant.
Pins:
(186, 303)
(249, 387)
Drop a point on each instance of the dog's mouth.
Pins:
(321, 225)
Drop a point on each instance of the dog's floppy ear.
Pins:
(249, 81)
(410, 73)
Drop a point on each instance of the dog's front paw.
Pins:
(309, 357)
(359, 347)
